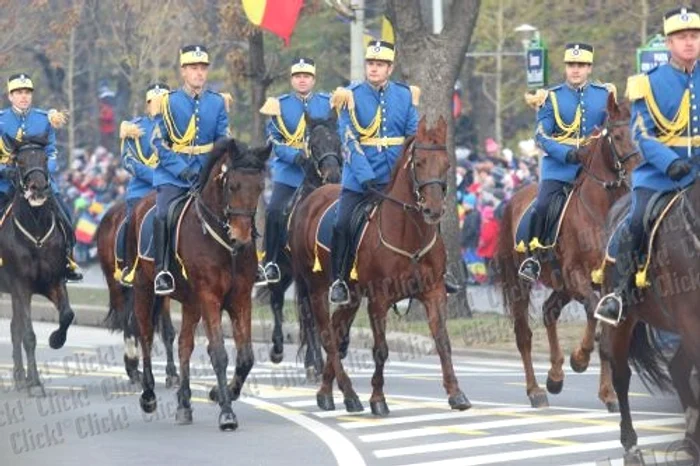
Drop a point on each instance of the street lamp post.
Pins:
(535, 56)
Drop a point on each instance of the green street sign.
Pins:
(536, 66)
(653, 54)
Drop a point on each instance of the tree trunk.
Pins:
(71, 99)
(433, 62)
(498, 123)
(259, 82)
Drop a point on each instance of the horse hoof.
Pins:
(539, 400)
(135, 377)
(612, 407)
(576, 366)
(634, 457)
(459, 401)
(325, 401)
(276, 357)
(379, 408)
(36, 391)
(312, 377)
(57, 339)
(554, 387)
(183, 416)
(148, 404)
(172, 381)
(228, 422)
(353, 405)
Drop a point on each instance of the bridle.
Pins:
(24, 176)
(619, 161)
(318, 160)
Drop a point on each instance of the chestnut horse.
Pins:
(606, 161)
(668, 303)
(324, 166)
(217, 252)
(121, 312)
(401, 255)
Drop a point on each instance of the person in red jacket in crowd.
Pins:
(488, 239)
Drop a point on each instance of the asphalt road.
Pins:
(91, 415)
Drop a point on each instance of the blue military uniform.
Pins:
(665, 125)
(373, 124)
(35, 122)
(566, 117)
(139, 157)
(286, 130)
(189, 126)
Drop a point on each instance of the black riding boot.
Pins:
(272, 239)
(164, 282)
(339, 292)
(126, 270)
(611, 308)
(530, 268)
(72, 272)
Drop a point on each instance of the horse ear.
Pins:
(333, 118)
(441, 129)
(421, 133)
(613, 108)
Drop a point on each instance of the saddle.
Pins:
(555, 215)
(360, 218)
(656, 210)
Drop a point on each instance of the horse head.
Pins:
(31, 162)
(237, 182)
(429, 163)
(324, 148)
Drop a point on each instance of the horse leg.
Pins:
(313, 358)
(23, 302)
(680, 367)
(58, 295)
(219, 359)
(190, 319)
(17, 330)
(167, 334)
(551, 310)
(277, 304)
(523, 339)
(346, 314)
(581, 356)
(131, 333)
(242, 334)
(143, 307)
(619, 343)
(377, 311)
(436, 310)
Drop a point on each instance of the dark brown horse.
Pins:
(324, 166)
(402, 255)
(608, 157)
(218, 255)
(32, 257)
(669, 302)
(121, 312)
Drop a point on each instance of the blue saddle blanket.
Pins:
(325, 227)
(119, 249)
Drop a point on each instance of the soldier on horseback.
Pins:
(568, 113)
(375, 118)
(24, 121)
(192, 120)
(665, 126)
(139, 157)
(287, 132)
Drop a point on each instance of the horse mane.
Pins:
(400, 162)
(241, 158)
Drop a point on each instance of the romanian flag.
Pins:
(276, 16)
(85, 229)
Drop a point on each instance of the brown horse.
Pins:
(607, 159)
(401, 255)
(217, 252)
(121, 313)
(668, 303)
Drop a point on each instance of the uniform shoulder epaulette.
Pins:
(537, 99)
(57, 118)
(271, 107)
(343, 97)
(414, 90)
(638, 86)
(609, 87)
(129, 129)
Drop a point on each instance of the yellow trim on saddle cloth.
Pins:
(639, 87)
(640, 278)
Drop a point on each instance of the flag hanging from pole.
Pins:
(277, 16)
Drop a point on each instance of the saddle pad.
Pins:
(552, 226)
(146, 247)
(119, 250)
(324, 233)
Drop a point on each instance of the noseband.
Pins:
(618, 162)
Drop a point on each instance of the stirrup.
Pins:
(339, 283)
(524, 264)
(170, 287)
(260, 277)
(608, 320)
(275, 270)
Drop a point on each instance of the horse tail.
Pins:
(115, 320)
(646, 356)
(156, 311)
(506, 261)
